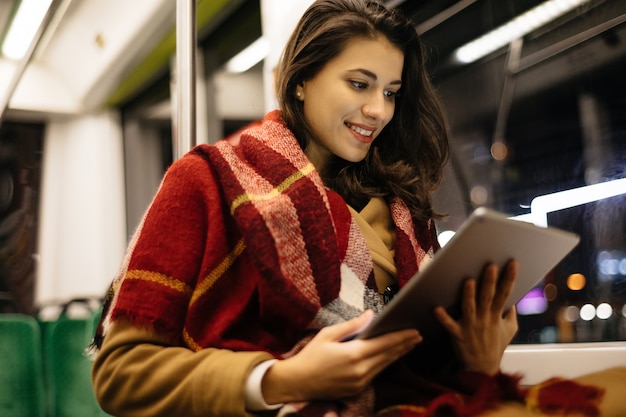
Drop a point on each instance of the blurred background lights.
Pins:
(549, 335)
(499, 151)
(611, 263)
(479, 195)
(532, 303)
(250, 56)
(604, 311)
(481, 155)
(571, 313)
(624, 310)
(548, 203)
(587, 312)
(516, 28)
(550, 292)
(576, 282)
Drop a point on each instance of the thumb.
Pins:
(347, 330)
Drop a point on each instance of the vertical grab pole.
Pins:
(186, 41)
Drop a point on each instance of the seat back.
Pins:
(68, 366)
(21, 371)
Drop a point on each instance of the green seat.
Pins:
(46, 329)
(70, 368)
(21, 370)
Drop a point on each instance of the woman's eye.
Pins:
(390, 94)
(359, 85)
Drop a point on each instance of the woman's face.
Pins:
(349, 102)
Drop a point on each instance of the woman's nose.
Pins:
(375, 107)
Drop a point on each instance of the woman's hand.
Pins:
(328, 368)
(484, 330)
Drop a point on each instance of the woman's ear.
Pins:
(300, 91)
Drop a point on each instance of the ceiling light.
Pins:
(23, 28)
(251, 55)
(514, 29)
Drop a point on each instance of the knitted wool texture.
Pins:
(244, 248)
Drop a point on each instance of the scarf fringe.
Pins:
(555, 396)
(563, 396)
(487, 393)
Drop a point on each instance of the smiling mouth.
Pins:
(360, 131)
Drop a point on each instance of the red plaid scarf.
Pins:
(270, 228)
(244, 248)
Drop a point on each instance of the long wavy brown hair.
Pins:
(407, 158)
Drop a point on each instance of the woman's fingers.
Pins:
(373, 354)
(330, 368)
(389, 347)
(495, 288)
(489, 299)
(484, 329)
(488, 287)
(505, 285)
(468, 305)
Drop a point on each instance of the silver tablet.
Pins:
(485, 237)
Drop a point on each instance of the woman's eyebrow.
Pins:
(373, 76)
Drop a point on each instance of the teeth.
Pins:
(361, 131)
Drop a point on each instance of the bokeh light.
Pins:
(533, 303)
(479, 195)
(587, 312)
(571, 313)
(499, 151)
(576, 282)
(604, 311)
(550, 292)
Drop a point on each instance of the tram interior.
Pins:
(88, 128)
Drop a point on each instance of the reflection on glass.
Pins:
(588, 288)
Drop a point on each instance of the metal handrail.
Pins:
(186, 41)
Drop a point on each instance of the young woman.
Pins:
(261, 254)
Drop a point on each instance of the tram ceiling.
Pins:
(132, 42)
(566, 39)
(447, 25)
(92, 49)
(584, 38)
(585, 44)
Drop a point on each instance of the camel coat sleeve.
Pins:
(137, 374)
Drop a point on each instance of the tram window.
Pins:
(548, 121)
(583, 298)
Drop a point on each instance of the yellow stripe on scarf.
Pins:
(160, 279)
(207, 282)
(193, 345)
(289, 181)
(402, 409)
